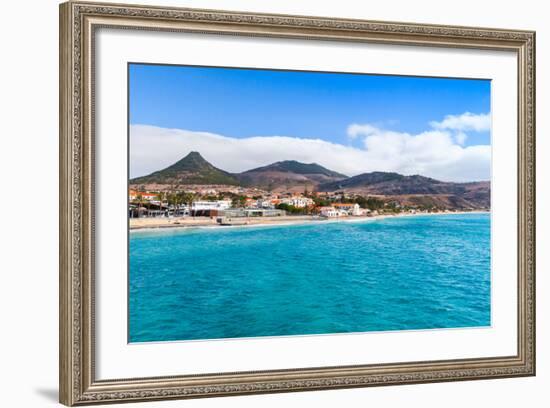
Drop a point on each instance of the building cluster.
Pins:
(145, 204)
(272, 202)
(201, 190)
(343, 210)
(148, 204)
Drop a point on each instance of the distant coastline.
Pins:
(141, 224)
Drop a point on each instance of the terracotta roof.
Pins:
(137, 193)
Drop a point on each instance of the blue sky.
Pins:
(239, 119)
(242, 103)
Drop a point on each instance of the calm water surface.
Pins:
(421, 272)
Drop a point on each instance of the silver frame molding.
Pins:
(78, 22)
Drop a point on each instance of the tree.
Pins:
(148, 206)
(238, 201)
(362, 201)
(161, 196)
(373, 203)
(139, 199)
(290, 208)
(188, 198)
(321, 202)
(170, 200)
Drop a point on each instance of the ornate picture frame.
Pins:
(78, 24)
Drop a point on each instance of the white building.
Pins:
(329, 212)
(298, 202)
(250, 203)
(266, 204)
(210, 205)
(349, 208)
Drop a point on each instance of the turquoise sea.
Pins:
(402, 273)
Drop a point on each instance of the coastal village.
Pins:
(192, 192)
(230, 205)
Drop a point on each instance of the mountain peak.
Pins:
(291, 162)
(194, 155)
(294, 166)
(192, 158)
(289, 175)
(191, 169)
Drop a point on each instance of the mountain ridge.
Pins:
(294, 176)
(474, 193)
(288, 174)
(191, 169)
(297, 167)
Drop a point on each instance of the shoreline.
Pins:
(210, 223)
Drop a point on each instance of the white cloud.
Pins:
(466, 121)
(354, 130)
(460, 138)
(433, 153)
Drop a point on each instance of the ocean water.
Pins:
(421, 272)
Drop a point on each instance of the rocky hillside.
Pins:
(192, 169)
(415, 189)
(294, 176)
(288, 174)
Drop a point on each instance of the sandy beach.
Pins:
(183, 222)
(187, 222)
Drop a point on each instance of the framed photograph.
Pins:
(256, 203)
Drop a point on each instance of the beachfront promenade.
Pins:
(166, 222)
(188, 221)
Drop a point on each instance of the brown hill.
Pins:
(289, 175)
(416, 189)
(192, 169)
